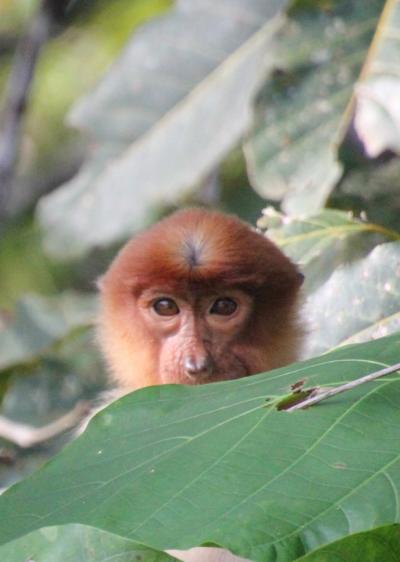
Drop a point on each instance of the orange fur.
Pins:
(191, 256)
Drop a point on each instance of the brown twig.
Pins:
(26, 436)
(20, 80)
(343, 388)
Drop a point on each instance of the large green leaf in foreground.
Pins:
(70, 543)
(177, 466)
(379, 545)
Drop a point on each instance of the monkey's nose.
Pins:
(197, 365)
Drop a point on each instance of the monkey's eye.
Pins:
(224, 306)
(166, 307)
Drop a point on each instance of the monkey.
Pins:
(199, 297)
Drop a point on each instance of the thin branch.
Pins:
(314, 399)
(18, 91)
(26, 436)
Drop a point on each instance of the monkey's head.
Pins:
(199, 297)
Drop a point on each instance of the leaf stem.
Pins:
(343, 388)
(388, 232)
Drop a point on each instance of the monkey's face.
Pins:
(199, 297)
(197, 335)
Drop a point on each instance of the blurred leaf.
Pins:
(373, 191)
(24, 267)
(50, 152)
(377, 118)
(235, 194)
(382, 544)
(70, 543)
(39, 393)
(163, 118)
(321, 243)
(15, 13)
(178, 466)
(292, 153)
(40, 322)
(370, 181)
(377, 112)
(360, 301)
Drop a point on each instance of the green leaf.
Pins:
(374, 189)
(70, 543)
(178, 466)
(39, 323)
(323, 242)
(373, 181)
(360, 301)
(292, 153)
(163, 118)
(382, 544)
(377, 109)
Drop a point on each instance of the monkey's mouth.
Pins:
(237, 371)
(227, 376)
(215, 377)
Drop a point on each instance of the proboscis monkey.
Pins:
(199, 297)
